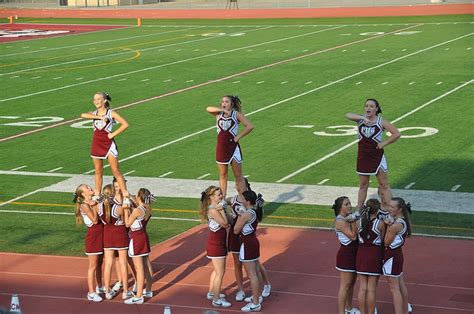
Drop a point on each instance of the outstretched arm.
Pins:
(356, 117)
(216, 110)
(91, 116)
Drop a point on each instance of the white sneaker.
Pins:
(221, 303)
(110, 295)
(99, 290)
(147, 294)
(267, 289)
(240, 296)
(94, 297)
(375, 311)
(210, 295)
(410, 308)
(117, 286)
(353, 311)
(250, 299)
(250, 307)
(127, 295)
(134, 300)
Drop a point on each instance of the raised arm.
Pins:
(123, 124)
(356, 117)
(395, 134)
(247, 124)
(216, 110)
(91, 116)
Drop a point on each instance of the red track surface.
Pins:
(73, 29)
(243, 13)
(438, 272)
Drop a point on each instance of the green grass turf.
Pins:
(176, 55)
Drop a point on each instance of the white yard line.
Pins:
(408, 186)
(18, 168)
(54, 170)
(165, 174)
(20, 197)
(356, 141)
(455, 188)
(127, 173)
(323, 181)
(203, 176)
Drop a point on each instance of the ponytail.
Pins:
(206, 200)
(406, 211)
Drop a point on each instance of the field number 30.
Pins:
(346, 130)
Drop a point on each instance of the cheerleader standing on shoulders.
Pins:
(115, 242)
(246, 226)
(139, 246)
(213, 212)
(87, 211)
(399, 227)
(346, 232)
(228, 118)
(369, 255)
(103, 141)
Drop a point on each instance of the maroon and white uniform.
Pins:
(115, 232)
(393, 254)
(94, 236)
(216, 245)
(227, 149)
(346, 256)
(369, 158)
(139, 242)
(102, 146)
(249, 244)
(233, 240)
(370, 252)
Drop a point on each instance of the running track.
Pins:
(438, 273)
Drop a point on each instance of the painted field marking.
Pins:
(203, 176)
(356, 141)
(404, 50)
(129, 172)
(236, 82)
(323, 181)
(165, 174)
(194, 86)
(358, 83)
(302, 126)
(57, 78)
(144, 80)
(260, 82)
(411, 83)
(18, 168)
(122, 79)
(14, 76)
(115, 54)
(36, 77)
(189, 81)
(446, 49)
(439, 83)
(90, 171)
(168, 80)
(284, 82)
(384, 83)
(455, 188)
(75, 47)
(308, 82)
(408, 186)
(20, 197)
(54, 170)
(9, 117)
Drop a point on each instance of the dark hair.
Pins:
(247, 184)
(379, 109)
(106, 97)
(257, 200)
(372, 206)
(338, 204)
(235, 102)
(406, 211)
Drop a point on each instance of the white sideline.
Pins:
(356, 141)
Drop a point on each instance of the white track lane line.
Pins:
(356, 141)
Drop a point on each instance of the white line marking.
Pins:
(356, 141)
(57, 78)
(284, 82)
(236, 82)
(165, 174)
(14, 76)
(203, 176)
(260, 82)
(20, 197)
(249, 50)
(408, 186)
(363, 50)
(384, 50)
(446, 49)
(301, 126)
(92, 48)
(358, 83)
(168, 80)
(469, 48)
(323, 181)
(439, 83)
(305, 50)
(213, 50)
(90, 171)
(455, 188)
(189, 81)
(180, 61)
(54, 170)
(144, 80)
(384, 83)
(344, 50)
(127, 173)
(411, 83)
(9, 117)
(178, 50)
(309, 82)
(404, 49)
(122, 79)
(247, 176)
(18, 168)
(36, 77)
(196, 49)
(219, 80)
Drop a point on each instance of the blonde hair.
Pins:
(206, 200)
(78, 200)
(109, 193)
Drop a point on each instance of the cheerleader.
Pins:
(87, 211)
(103, 141)
(399, 227)
(228, 151)
(369, 255)
(213, 212)
(139, 246)
(115, 242)
(370, 157)
(346, 232)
